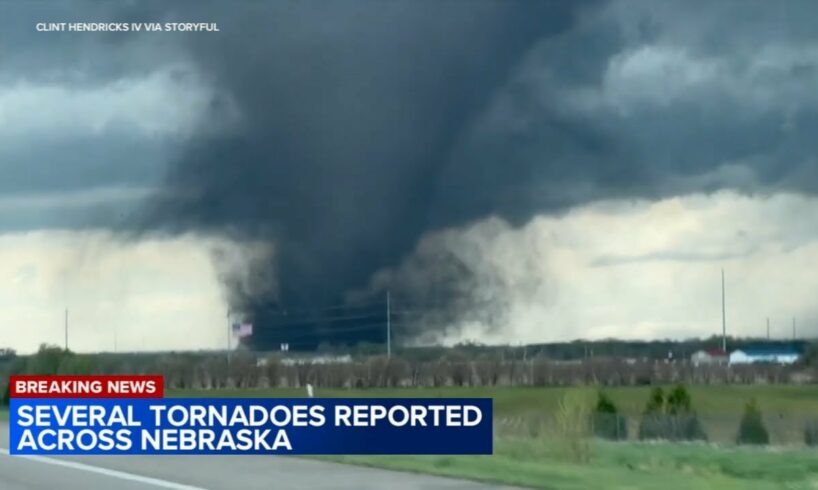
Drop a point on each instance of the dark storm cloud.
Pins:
(84, 161)
(57, 184)
(366, 125)
(648, 99)
(82, 117)
(348, 113)
(75, 59)
(362, 126)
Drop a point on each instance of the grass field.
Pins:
(538, 464)
(539, 459)
(711, 400)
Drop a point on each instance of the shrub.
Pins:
(811, 433)
(607, 422)
(671, 418)
(651, 425)
(5, 401)
(656, 402)
(678, 401)
(751, 430)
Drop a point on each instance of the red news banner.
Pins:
(135, 386)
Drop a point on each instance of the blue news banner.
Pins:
(251, 426)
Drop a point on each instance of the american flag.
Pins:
(242, 329)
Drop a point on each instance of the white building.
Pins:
(295, 361)
(775, 355)
(709, 357)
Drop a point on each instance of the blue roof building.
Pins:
(769, 354)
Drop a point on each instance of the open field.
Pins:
(534, 457)
(709, 400)
(786, 408)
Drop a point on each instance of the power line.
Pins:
(287, 311)
(324, 333)
(316, 321)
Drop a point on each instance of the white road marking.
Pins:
(104, 471)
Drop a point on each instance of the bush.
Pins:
(751, 430)
(678, 401)
(651, 425)
(656, 402)
(671, 417)
(6, 396)
(811, 433)
(607, 422)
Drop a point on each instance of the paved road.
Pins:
(201, 472)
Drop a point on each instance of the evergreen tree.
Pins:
(651, 425)
(608, 423)
(678, 401)
(671, 417)
(751, 430)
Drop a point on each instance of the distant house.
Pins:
(775, 355)
(319, 359)
(708, 357)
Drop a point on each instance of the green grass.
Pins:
(786, 408)
(4, 414)
(525, 454)
(537, 464)
(709, 400)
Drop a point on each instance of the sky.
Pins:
(510, 171)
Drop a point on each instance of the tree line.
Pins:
(245, 369)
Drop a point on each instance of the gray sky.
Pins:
(593, 165)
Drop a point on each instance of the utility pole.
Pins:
(768, 328)
(723, 316)
(388, 326)
(66, 329)
(228, 338)
(793, 329)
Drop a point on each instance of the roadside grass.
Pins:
(4, 414)
(526, 454)
(537, 463)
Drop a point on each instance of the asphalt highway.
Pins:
(201, 472)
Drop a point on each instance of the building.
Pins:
(709, 357)
(318, 359)
(774, 354)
